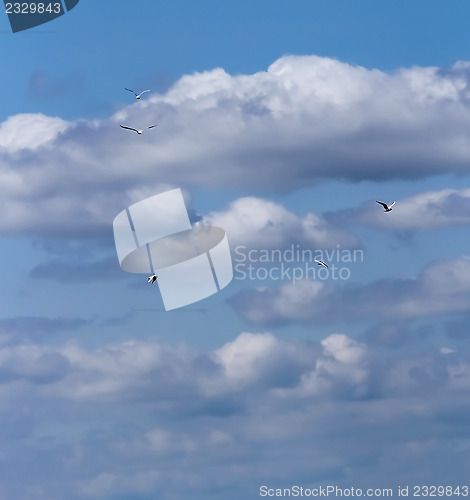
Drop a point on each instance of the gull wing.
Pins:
(129, 128)
(130, 91)
(143, 91)
(152, 126)
(392, 204)
(383, 204)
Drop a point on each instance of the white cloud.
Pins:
(428, 210)
(33, 364)
(442, 287)
(29, 131)
(241, 358)
(344, 411)
(121, 371)
(343, 349)
(128, 371)
(261, 223)
(304, 119)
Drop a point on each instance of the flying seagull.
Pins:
(135, 130)
(386, 207)
(137, 96)
(152, 279)
(321, 263)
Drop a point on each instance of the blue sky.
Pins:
(283, 123)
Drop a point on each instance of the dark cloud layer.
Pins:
(442, 287)
(139, 418)
(70, 273)
(36, 328)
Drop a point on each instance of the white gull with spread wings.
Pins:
(386, 207)
(135, 130)
(137, 96)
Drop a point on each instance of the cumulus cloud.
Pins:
(127, 371)
(120, 419)
(261, 223)
(28, 132)
(258, 359)
(429, 210)
(442, 287)
(304, 119)
(253, 363)
(33, 364)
